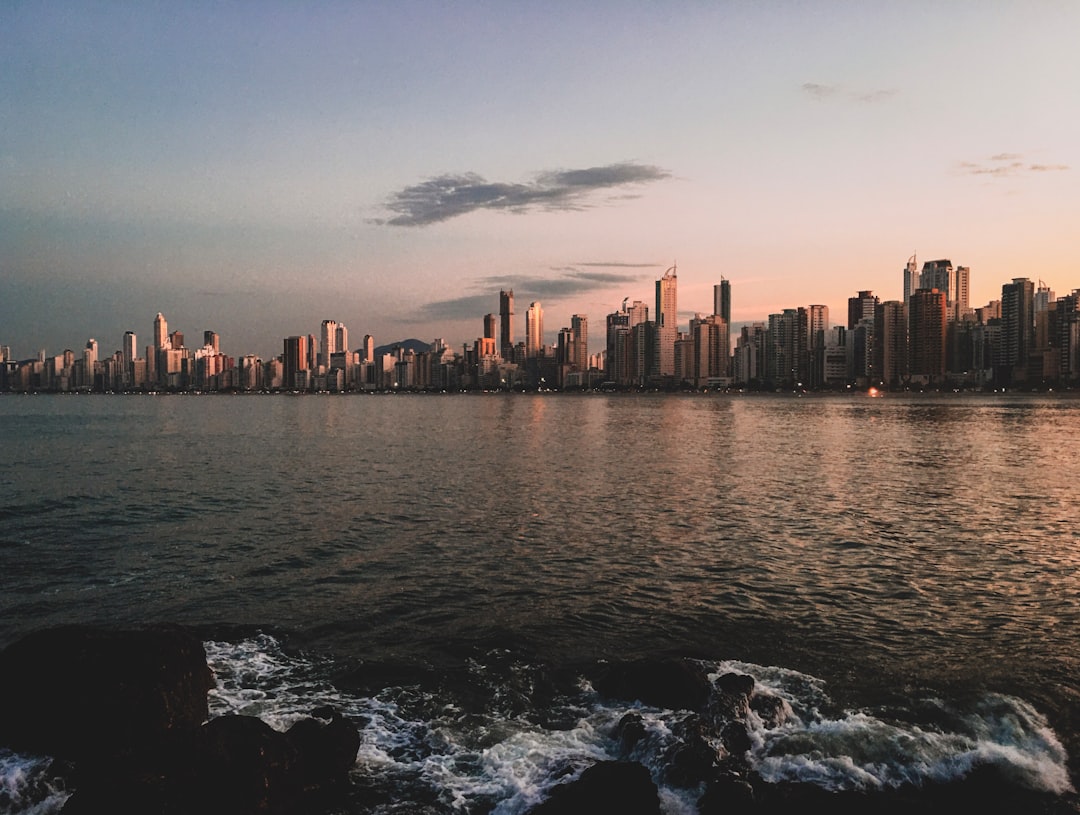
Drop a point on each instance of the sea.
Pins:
(902, 572)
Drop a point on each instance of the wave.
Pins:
(504, 753)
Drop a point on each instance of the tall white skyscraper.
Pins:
(911, 278)
(667, 323)
(534, 330)
(161, 331)
(327, 341)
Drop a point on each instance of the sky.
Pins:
(256, 168)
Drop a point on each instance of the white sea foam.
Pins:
(29, 785)
(512, 763)
(859, 750)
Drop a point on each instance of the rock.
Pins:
(727, 794)
(247, 766)
(609, 786)
(693, 759)
(772, 710)
(325, 751)
(736, 739)
(630, 731)
(677, 684)
(731, 701)
(74, 692)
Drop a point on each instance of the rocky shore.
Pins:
(125, 715)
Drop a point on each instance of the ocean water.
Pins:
(902, 574)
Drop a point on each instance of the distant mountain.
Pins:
(408, 345)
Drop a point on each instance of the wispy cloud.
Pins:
(569, 282)
(449, 196)
(1007, 165)
(821, 92)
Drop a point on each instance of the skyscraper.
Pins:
(667, 324)
(911, 279)
(926, 335)
(1018, 324)
(722, 300)
(161, 331)
(369, 348)
(130, 355)
(961, 298)
(489, 327)
(579, 325)
(341, 338)
(328, 342)
(891, 342)
(295, 359)
(506, 331)
(534, 330)
(860, 307)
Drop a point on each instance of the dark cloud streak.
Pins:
(450, 196)
(1007, 165)
(571, 282)
(820, 93)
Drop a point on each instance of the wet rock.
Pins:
(230, 766)
(79, 691)
(731, 699)
(610, 786)
(736, 739)
(693, 759)
(677, 684)
(630, 731)
(727, 794)
(772, 710)
(326, 751)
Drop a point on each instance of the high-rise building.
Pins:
(861, 307)
(295, 359)
(891, 342)
(506, 327)
(940, 275)
(961, 307)
(911, 279)
(212, 340)
(1068, 336)
(369, 348)
(341, 338)
(534, 330)
(667, 324)
(161, 331)
(489, 327)
(926, 335)
(1018, 326)
(327, 342)
(722, 300)
(131, 353)
(579, 325)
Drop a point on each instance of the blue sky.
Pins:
(255, 168)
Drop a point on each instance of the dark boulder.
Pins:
(325, 751)
(629, 732)
(731, 700)
(609, 786)
(78, 691)
(678, 684)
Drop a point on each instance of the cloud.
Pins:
(820, 93)
(618, 265)
(1007, 165)
(570, 282)
(449, 196)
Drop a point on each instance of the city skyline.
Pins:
(262, 167)
(934, 337)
